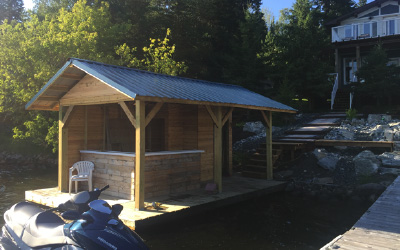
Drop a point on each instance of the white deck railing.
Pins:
(334, 90)
(366, 30)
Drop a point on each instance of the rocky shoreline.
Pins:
(340, 172)
(27, 162)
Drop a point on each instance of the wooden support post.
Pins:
(358, 57)
(218, 149)
(140, 154)
(62, 153)
(230, 150)
(153, 112)
(86, 129)
(268, 133)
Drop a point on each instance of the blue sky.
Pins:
(273, 5)
(276, 5)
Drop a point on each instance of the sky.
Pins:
(273, 5)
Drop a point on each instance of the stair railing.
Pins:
(334, 90)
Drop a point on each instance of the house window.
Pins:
(374, 29)
(373, 13)
(389, 9)
(390, 27)
(393, 61)
(348, 32)
(367, 30)
(350, 69)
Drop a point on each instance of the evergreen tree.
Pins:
(11, 10)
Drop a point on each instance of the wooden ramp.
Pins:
(378, 228)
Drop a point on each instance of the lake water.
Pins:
(277, 221)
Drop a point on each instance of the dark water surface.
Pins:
(14, 181)
(277, 221)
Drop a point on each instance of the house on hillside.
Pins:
(356, 33)
(148, 134)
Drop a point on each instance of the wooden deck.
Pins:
(378, 228)
(235, 189)
(365, 144)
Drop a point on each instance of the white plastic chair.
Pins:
(84, 169)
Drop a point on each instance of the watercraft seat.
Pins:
(45, 228)
(19, 214)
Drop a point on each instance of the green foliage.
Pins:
(11, 10)
(34, 50)
(158, 57)
(351, 114)
(379, 80)
(293, 53)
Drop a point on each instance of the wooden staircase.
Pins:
(289, 146)
(342, 101)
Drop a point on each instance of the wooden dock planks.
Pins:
(378, 228)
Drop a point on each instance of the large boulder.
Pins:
(326, 160)
(391, 159)
(366, 163)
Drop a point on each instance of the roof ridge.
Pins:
(153, 73)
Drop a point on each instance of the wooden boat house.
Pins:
(148, 134)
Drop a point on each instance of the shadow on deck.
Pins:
(235, 189)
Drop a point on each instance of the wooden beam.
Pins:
(72, 76)
(62, 154)
(218, 150)
(183, 101)
(266, 119)
(230, 149)
(268, 138)
(213, 116)
(59, 87)
(128, 113)
(95, 100)
(67, 114)
(140, 154)
(49, 98)
(153, 112)
(227, 116)
(85, 136)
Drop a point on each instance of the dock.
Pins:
(378, 228)
(236, 189)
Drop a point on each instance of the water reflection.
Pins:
(14, 181)
(278, 221)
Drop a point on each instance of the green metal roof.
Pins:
(137, 84)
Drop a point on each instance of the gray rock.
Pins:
(377, 118)
(396, 136)
(389, 134)
(254, 127)
(391, 159)
(329, 162)
(366, 163)
(390, 171)
(320, 153)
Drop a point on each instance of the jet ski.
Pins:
(85, 223)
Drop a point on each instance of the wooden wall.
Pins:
(187, 127)
(205, 132)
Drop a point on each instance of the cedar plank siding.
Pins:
(206, 143)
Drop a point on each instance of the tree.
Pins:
(158, 57)
(11, 10)
(294, 53)
(331, 9)
(361, 3)
(380, 80)
(33, 51)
